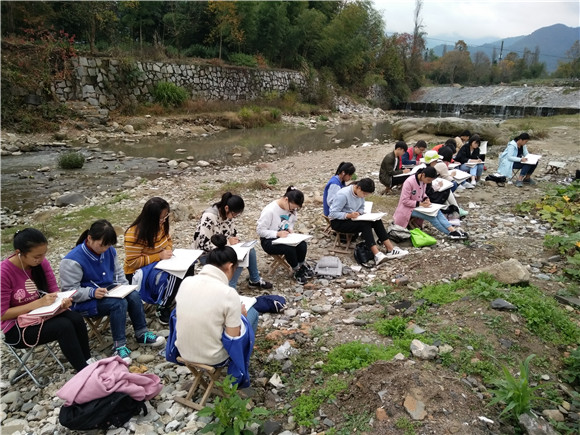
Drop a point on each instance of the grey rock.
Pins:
(129, 129)
(11, 397)
(502, 304)
(536, 425)
(422, 350)
(70, 199)
(507, 272)
(554, 414)
(271, 427)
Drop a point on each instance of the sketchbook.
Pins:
(532, 159)
(453, 165)
(180, 262)
(370, 217)
(483, 147)
(473, 162)
(461, 176)
(242, 249)
(292, 239)
(414, 170)
(248, 301)
(54, 307)
(368, 206)
(441, 184)
(120, 291)
(432, 210)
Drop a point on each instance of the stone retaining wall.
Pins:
(110, 83)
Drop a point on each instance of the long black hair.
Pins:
(346, 167)
(147, 222)
(235, 204)
(295, 196)
(100, 230)
(24, 241)
(222, 253)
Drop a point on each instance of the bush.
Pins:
(242, 59)
(169, 94)
(71, 160)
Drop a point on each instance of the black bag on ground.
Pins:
(363, 255)
(397, 233)
(113, 410)
(497, 178)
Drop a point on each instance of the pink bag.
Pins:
(26, 320)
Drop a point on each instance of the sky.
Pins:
(477, 21)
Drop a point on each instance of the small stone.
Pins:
(381, 414)
(415, 408)
(554, 414)
(502, 304)
(422, 350)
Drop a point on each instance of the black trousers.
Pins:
(364, 227)
(68, 329)
(292, 254)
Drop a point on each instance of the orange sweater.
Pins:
(137, 254)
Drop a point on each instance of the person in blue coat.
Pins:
(90, 268)
(343, 174)
(514, 157)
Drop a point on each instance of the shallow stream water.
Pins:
(24, 189)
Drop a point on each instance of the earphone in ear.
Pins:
(19, 254)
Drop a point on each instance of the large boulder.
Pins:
(411, 129)
(508, 272)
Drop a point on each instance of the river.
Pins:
(24, 188)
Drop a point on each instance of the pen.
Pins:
(95, 284)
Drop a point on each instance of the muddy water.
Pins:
(23, 188)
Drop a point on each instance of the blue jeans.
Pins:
(526, 170)
(455, 186)
(439, 221)
(252, 268)
(475, 171)
(253, 318)
(117, 309)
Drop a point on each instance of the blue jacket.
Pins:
(508, 157)
(155, 284)
(84, 271)
(240, 349)
(334, 181)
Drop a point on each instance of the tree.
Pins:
(144, 17)
(481, 68)
(570, 69)
(227, 23)
(415, 64)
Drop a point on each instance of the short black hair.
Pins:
(465, 133)
(421, 144)
(522, 136)
(401, 144)
(446, 153)
(366, 184)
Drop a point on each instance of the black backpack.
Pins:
(363, 255)
(498, 178)
(113, 410)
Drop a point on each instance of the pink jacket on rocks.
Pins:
(412, 193)
(108, 376)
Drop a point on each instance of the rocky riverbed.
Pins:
(325, 312)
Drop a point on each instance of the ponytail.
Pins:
(235, 204)
(295, 196)
(346, 167)
(221, 254)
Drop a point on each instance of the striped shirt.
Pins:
(137, 254)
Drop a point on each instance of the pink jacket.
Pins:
(108, 376)
(412, 192)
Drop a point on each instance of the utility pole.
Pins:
(500, 51)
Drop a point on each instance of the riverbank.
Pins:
(328, 313)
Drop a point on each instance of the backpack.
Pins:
(398, 234)
(363, 255)
(115, 409)
(270, 304)
(498, 178)
(171, 350)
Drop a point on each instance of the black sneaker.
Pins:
(455, 235)
(163, 314)
(308, 270)
(300, 277)
(262, 284)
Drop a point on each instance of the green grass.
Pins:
(305, 407)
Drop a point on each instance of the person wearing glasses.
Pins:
(147, 241)
(219, 219)
(91, 268)
(277, 220)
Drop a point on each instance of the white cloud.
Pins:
(474, 20)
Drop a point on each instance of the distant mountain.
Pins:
(554, 41)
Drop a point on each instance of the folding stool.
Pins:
(24, 354)
(204, 376)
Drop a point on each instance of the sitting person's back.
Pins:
(207, 306)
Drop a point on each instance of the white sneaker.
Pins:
(396, 253)
(380, 258)
(468, 185)
(91, 360)
(460, 188)
(454, 222)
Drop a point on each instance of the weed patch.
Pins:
(356, 355)
(306, 406)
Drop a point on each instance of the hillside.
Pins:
(554, 41)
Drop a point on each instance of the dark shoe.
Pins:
(530, 181)
(300, 277)
(308, 271)
(455, 235)
(519, 184)
(262, 284)
(163, 314)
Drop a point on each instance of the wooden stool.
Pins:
(328, 229)
(203, 376)
(554, 167)
(277, 261)
(98, 326)
(338, 247)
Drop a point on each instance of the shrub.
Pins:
(355, 355)
(395, 327)
(169, 94)
(71, 160)
(242, 59)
